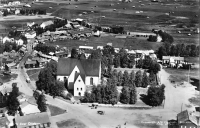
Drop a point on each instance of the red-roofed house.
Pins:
(79, 73)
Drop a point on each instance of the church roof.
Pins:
(88, 67)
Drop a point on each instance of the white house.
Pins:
(45, 24)
(19, 42)
(28, 108)
(79, 73)
(30, 34)
(6, 39)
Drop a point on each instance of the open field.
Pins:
(33, 74)
(102, 41)
(153, 17)
(71, 123)
(55, 110)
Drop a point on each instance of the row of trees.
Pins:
(9, 46)
(178, 50)
(47, 80)
(26, 11)
(148, 63)
(12, 103)
(45, 49)
(137, 79)
(40, 100)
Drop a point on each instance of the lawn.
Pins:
(7, 78)
(55, 110)
(71, 123)
(33, 74)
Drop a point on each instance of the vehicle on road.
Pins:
(101, 112)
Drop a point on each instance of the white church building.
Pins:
(79, 73)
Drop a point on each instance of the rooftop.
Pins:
(28, 120)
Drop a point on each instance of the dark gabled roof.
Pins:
(87, 67)
(183, 116)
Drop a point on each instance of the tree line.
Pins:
(164, 35)
(45, 49)
(47, 82)
(183, 50)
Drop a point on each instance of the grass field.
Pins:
(125, 15)
(181, 75)
(71, 123)
(55, 110)
(33, 74)
(7, 78)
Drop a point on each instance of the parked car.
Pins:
(101, 112)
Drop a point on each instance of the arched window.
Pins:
(91, 81)
(81, 89)
(77, 88)
(79, 94)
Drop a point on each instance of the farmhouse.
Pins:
(79, 73)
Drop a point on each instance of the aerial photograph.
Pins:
(99, 64)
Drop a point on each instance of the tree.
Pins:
(145, 80)
(124, 61)
(161, 52)
(152, 78)
(41, 102)
(125, 78)
(45, 80)
(74, 53)
(132, 77)
(36, 94)
(156, 95)
(96, 54)
(131, 61)
(86, 98)
(120, 78)
(125, 95)
(138, 79)
(2, 48)
(108, 50)
(155, 67)
(12, 103)
(116, 61)
(98, 94)
(173, 50)
(133, 95)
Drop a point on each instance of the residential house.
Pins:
(186, 120)
(87, 52)
(17, 12)
(4, 122)
(75, 24)
(46, 23)
(37, 120)
(19, 42)
(79, 73)
(172, 60)
(31, 64)
(30, 35)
